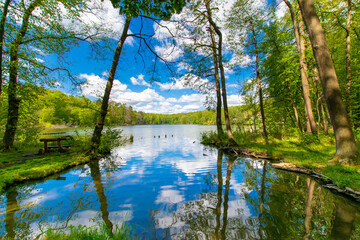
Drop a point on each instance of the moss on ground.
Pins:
(313, 152)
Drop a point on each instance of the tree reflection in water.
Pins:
(232, 199)
(343, 220)
(270, 205)
(96, 176)
(12, 207)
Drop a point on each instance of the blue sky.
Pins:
(132, 82)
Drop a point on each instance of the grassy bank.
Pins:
(313, 152)
(25, 163)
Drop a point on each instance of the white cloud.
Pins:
(147, 100)
(192, 98)
(168, 195)
(281, 10)
(95, 85)
(188, 81)
(103, 20)
(139, 81)
(169, 52)
(235, 100)
(39, 60)
(133, 98)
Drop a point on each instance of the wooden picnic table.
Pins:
(57, 140)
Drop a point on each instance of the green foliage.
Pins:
(17, 167)
(160, 8)
(309, 138)
(357, 134)
(111, 138)
(89, 233)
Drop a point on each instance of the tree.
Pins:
(244, 19)
(221, 67)
(41, 28)
(2, 42)
(13, 111)
(129, 9)
(346, 148)
(300, 44)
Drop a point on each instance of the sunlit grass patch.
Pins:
(307, 150)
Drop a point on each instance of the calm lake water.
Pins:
(175, 188)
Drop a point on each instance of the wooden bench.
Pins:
(58, 140)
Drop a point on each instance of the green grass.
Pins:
(313, 152)
(89, 233)
(25, 164)
(35, 167)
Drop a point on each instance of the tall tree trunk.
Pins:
(222, 72)
(294, 108)
(223, 88)
(14, 101)
(217, 84)
(258, 81)
(99, 188)
(2, 33)
(96, 138)
(345, 143)
(348, 62)
(300, 44)
(304, 78)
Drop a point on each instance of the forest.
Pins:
(288, 87)
(218, 98)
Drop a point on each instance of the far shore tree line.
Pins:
(305, 64)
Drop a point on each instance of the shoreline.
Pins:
(279, 163)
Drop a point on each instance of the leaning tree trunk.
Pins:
(222, 72)
(2, 33)
(96, 138)
(217, 84)
(259, 82)
(345, 143)
(305, 79)
(14, 101)
(223, 88)
(300, 45)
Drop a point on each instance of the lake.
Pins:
(166, 185)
